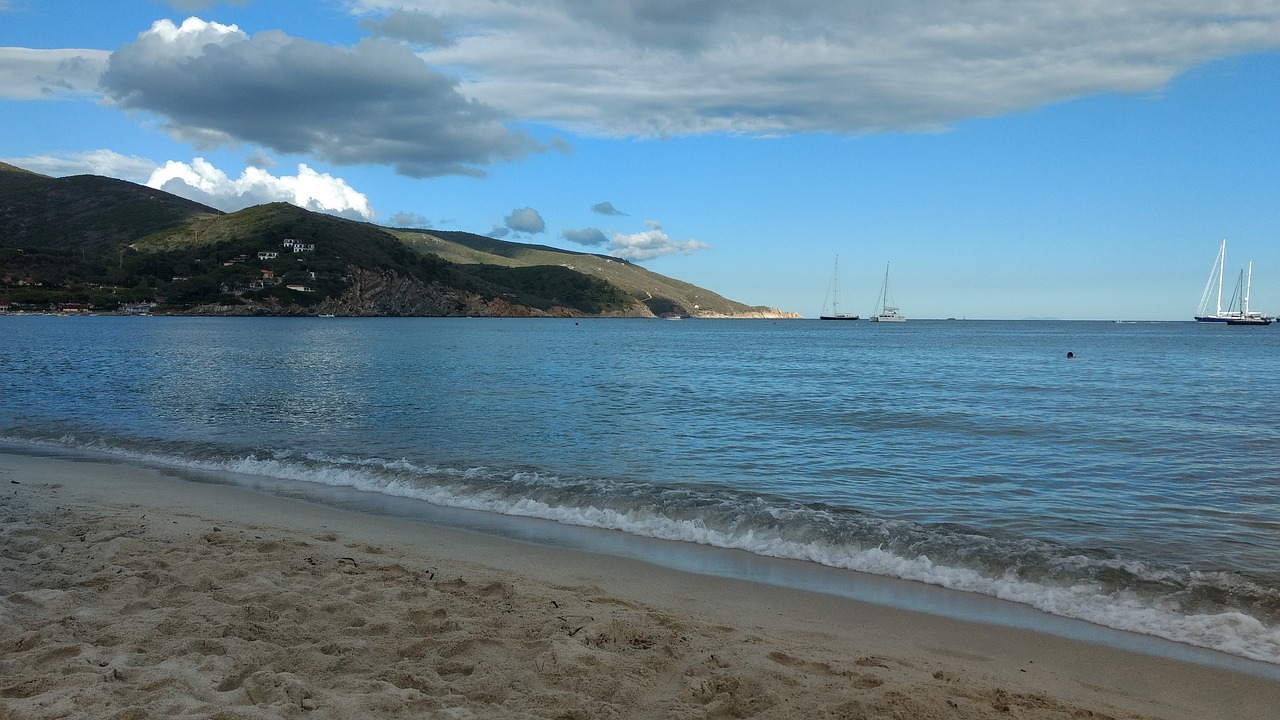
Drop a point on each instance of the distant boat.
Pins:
(1214, 285)
(835, 298)
(1246, 316)
(1237, 312)
(886, 313)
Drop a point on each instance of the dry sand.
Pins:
(128, 594)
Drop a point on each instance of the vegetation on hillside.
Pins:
(663, 296)
(104, 243)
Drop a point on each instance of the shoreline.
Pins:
(123, 588)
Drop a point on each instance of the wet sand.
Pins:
(128, 594)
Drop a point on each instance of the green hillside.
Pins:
(84, 211)
(105, 243)
(663, 295)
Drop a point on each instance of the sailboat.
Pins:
(835, 298)
(1237, 312)
(1214, 283)
(1245, 316)
(887, 313)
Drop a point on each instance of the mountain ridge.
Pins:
(88, 240)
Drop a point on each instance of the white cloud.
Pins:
(374, 103)
(525, 220)
(639, 67)
(107, 163)
(650, 244)
(199, 180)
(27, 74)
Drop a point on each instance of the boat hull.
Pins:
(837, 317)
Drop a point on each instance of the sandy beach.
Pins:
(125, 593)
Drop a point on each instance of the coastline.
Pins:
(122, 589)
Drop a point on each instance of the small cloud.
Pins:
(585, 236)
(650, 244)
(260, 160)
(198, 5)
(107, 163)
(410, 220)
(606, 208)
(31, 74)
(525, 220)
(201, 181)
(499, 232)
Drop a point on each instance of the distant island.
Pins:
(94, 244)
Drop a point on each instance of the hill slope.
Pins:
(661, 294)
(84, 211)
(106, 242)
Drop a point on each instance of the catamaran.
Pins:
(835, 298)
(1237, 312)
(887, 313)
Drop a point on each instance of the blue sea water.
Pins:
(1135, 487)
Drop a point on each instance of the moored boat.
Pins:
(1247, 316)
(835, 298)
(1237, 312)
(1213, 285)
(886, 312)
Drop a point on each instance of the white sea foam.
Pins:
(1230, 632)
(1227, 631)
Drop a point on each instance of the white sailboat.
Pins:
(887, 312)
(1245, 316)
(835, 298)
(1214, 285)
(1237, 312)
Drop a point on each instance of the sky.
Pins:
(997, 159)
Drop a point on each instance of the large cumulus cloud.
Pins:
(661, 67)
(199, 180)
(375, 102)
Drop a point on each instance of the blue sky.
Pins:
(1006, 159)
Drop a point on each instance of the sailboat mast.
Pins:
(1248, 283)
(1222, 260)
(835, 288)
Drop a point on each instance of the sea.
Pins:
(1134, 487)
